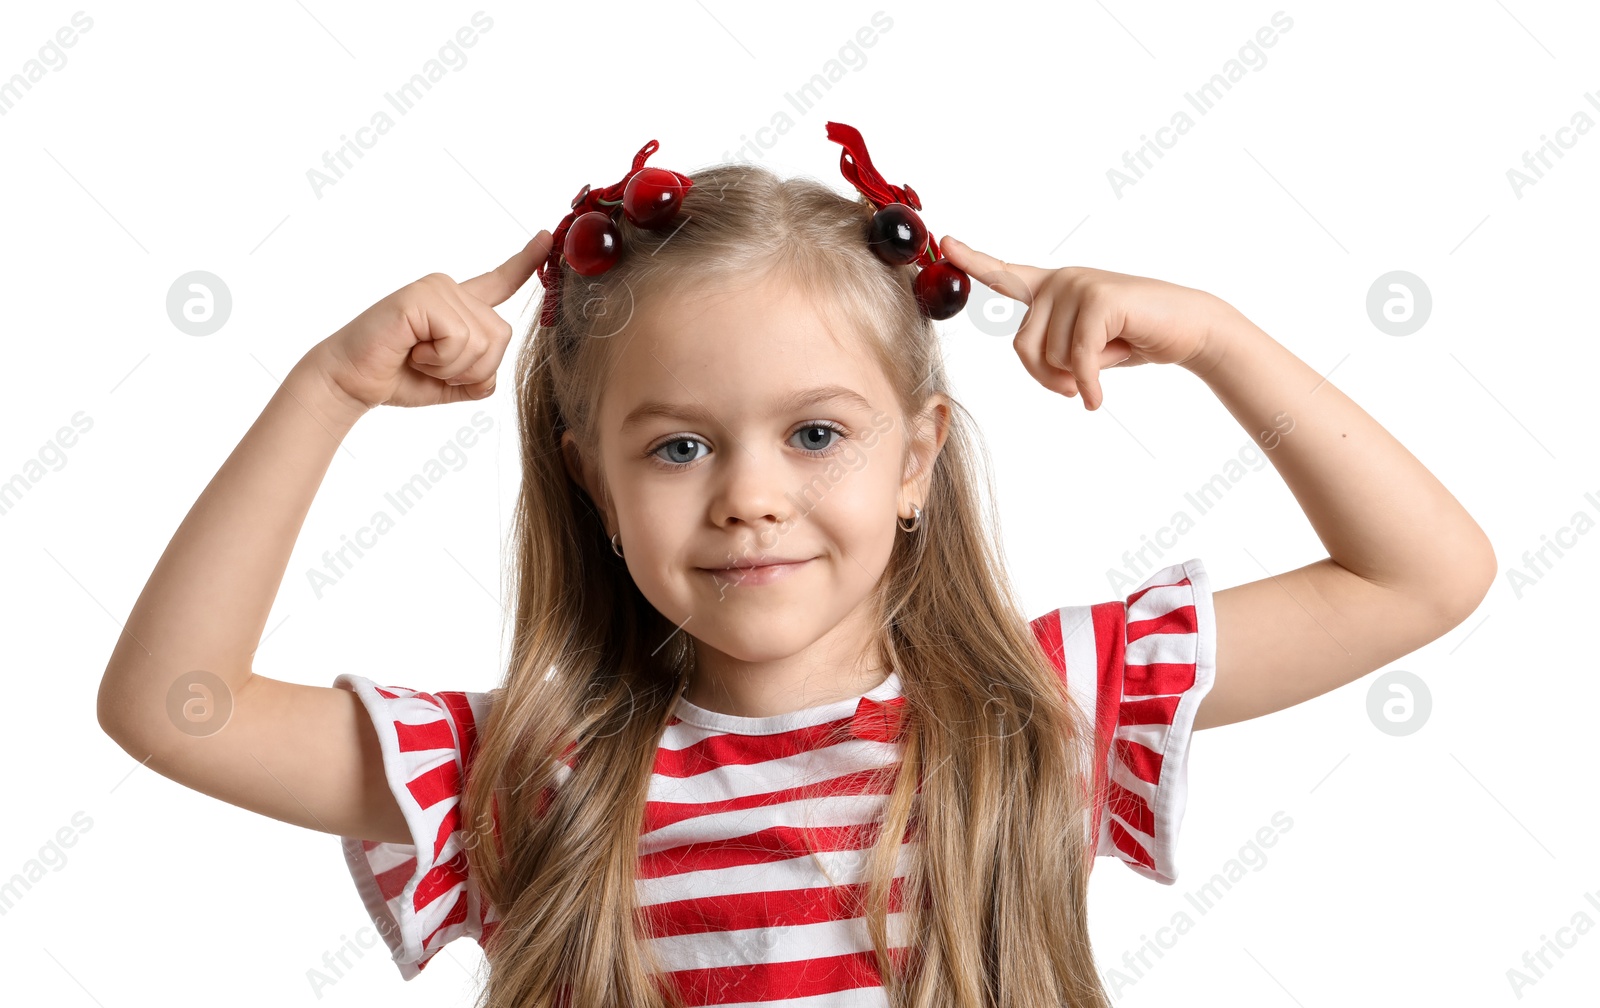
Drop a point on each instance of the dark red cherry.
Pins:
(652, 197)
(897, 234)
(593, 243)
(941, 289)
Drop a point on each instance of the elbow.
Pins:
(111, 707)
(1475, 578)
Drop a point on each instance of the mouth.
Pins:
(757, 574)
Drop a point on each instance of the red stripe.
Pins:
(422, 737)
(1131, 848)
(719, 750)
(1142, 761)
(1110, 621)
(433, 786)
(777, 843)
(460, 712)
(448, 824)
(1131, 808)
(1181, 620)
(1159, 679)
(787, 908)
(457, 915)
(774, 981)
(879, 780)
(440, 879)
(392, 882)
(1047, 631)
(1155, 710)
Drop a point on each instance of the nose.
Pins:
(753, 487)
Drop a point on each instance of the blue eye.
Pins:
(687, 443)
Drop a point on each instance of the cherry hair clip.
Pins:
(588, 239)
(897, 234)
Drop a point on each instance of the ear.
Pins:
(928, 432)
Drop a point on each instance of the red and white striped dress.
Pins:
(740, 913)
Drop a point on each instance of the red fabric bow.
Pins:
(878, 720)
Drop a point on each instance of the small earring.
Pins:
(916, 520)
(614, 547)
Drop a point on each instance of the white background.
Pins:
(1376, 137)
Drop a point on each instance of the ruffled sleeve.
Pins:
(1140, 666)
(420, 895)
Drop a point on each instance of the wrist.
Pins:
(311, 383)
(1224, 326)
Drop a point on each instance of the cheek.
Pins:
(856, 504)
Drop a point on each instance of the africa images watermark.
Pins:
(1203, 99)
(14, 88)
(1537, 161)
(51, 457)
(1537, 563)
(1536, 961)
(805, 97)
(1204, 498)
(402, 99)
(1138, 962)
(451, 457)
(850, 459)
(50, 857)
(337, 963)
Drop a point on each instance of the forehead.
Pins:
(737, 351)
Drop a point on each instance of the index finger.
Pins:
(1020, 283)
(507, 278)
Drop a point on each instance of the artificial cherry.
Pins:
(652, 198)
(941, 289)
(593, 244)
(897, 235)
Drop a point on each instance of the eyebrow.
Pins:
(788, 404)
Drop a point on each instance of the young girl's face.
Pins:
(739, 426)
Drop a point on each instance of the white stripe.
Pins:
(1145, 840)
(858, 997)
(817, 812)
(1162, 649)
(791, 943)
(1162, 599)
(1129, 780)
(744, 780)
(843, 868)
(1080, 657)
(1151, 736)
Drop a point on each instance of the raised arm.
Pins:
(304, 754)
(1405, 563)
(179, 692)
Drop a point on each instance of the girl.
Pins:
(774, 728)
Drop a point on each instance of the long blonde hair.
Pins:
(995, 891)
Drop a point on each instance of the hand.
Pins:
(1081, 320)
(432, 341)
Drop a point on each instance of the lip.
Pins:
(758, 575)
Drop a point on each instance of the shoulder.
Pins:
(1174, 602)
(1138, 667)
(421, 894)
(417, 721)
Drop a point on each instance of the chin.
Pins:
(757, 641)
